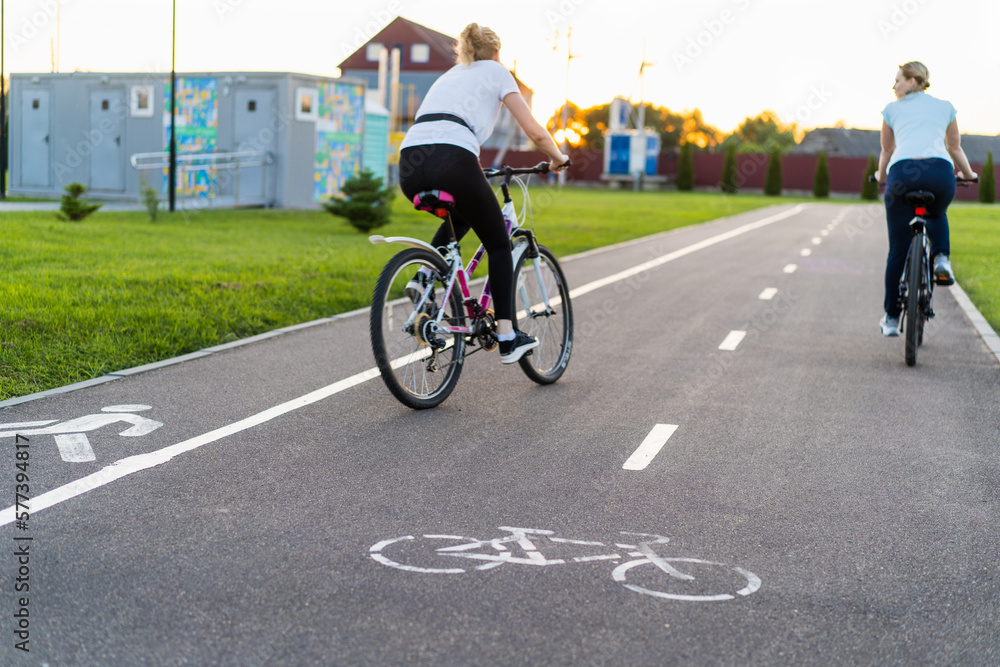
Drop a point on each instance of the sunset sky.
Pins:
(813, 63)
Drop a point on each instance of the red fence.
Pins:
(846, 173)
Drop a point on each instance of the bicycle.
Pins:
(421, 341)
(916, 285)
(521, 548)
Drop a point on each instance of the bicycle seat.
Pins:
(919, 198)
(438, 202)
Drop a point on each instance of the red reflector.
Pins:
(921, 211)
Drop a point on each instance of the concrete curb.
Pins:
(987, 333)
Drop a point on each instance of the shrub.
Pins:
(729, 183)
(821, 179)
(685, 169)
(73, 208)
(364, 202)
(987, 182)
(772, 183)
(152, 202)
(869, 189)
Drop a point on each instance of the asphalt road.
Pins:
(273, 504)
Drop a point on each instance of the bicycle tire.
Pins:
(718, 570)
(417, 377)
(553, 328)
(912, 325)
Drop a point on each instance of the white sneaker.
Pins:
(890, 325)
(942, 270)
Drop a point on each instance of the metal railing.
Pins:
(212, 163)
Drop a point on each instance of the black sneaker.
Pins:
(513, 350)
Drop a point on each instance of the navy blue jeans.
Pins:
(932, 175)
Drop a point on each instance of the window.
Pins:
(420, 53)
(372, 51)
(34, 104)
(104, 105)
(252, 105)
(142, 101)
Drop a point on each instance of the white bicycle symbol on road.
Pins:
(689, 579)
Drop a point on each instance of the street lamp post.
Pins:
(3, 115)
(172, 175)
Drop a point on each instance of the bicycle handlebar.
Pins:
(540, 168)
(959, 181)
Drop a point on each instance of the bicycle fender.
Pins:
(405, 240)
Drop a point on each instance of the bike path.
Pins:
(802, 456)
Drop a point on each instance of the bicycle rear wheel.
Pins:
(419, 366)
(913, 325)
(551, 325)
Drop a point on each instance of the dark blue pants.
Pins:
(932, 175)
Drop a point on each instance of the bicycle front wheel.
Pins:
(913, 324)
(419, 365)
(544, 312)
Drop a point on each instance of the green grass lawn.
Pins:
(975, 255)
(79, 300)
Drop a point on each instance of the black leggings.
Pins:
(458, 172)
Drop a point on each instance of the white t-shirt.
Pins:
(471, 92)
(919, 122)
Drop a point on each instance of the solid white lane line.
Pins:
(669, 257)
(133, 464)
(733, 340)
(768, 294)
(790, 268)
(650, 447)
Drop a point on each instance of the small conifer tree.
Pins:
(73, 208)
(772, 182)
(869, 189)
(363, 201)
(729, 183)
(987, 182)
(821, 179)
(685, 169)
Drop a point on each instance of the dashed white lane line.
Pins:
(650, 447)
(669, 257)
(132, 464)
(768, 294)
(790, 268)
(816, 240)
(733, 340)
(805, 252)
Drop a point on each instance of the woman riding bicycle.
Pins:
(921, 148)
(441, 152)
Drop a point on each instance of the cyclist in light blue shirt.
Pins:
(921, 148)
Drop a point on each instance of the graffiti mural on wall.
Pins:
(197, 122)
(339, 130)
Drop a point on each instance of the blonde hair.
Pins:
(476, 43)
(917, 70)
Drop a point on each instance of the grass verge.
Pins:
(975, 256)
(115, 291)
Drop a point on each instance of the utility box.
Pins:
(243, 138)
(628, 153)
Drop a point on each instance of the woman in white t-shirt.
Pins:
(441, 152)
(921, 148)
